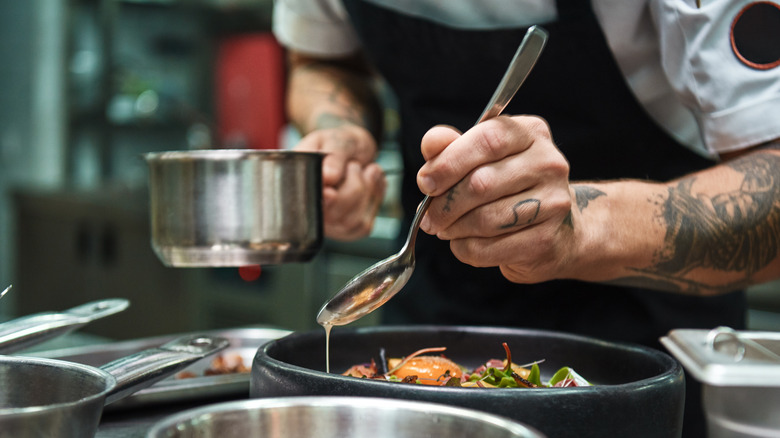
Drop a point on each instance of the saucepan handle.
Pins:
(143, 369)
(24, 332)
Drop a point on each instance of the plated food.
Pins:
(423, 368)
(636, 391)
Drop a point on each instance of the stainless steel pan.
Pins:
(53, 398)
(26, 331)
(336, 417)
(225, 207)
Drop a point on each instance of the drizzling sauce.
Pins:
(327, 326)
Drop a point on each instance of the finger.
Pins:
(377, 184)
(436, 140)
(341, 145)
(487, 142)
(348, 194)
(537, 248)
(542, 168)
(511, 214)
(352, 214)
(334, 169)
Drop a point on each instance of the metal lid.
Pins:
(726, 357)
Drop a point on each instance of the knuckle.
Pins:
(491, 139)
(479, 182)
(560, 202)
(538, 127)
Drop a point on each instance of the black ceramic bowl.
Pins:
(637, 392)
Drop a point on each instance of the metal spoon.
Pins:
(380, 282)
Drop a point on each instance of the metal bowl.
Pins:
(638, 392)
(336, 417)
(227, 207)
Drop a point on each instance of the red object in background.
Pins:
(250, 81)
(250, 272)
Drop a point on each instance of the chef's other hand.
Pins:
(353, 184)
(502, 196)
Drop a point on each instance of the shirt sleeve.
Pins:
(315, 27)
(736, 105)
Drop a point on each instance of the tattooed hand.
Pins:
(353, 185)
(502, 196)
(504, 199)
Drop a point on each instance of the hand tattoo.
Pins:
(450, 199)
(583, 195)
(532, 205)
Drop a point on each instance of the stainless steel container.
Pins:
(227, 207)
(740, 375)
(336, 417)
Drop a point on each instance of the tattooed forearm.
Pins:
(349, 92)
(331, 120)
(733, 232)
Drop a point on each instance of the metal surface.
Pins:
(740, 375)
(637, 391)
(24, 332)
(235, 207)
(48, 397)
(336, 417)
(243, 342)
(724, 357)
(374, 286)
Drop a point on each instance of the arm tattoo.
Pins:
(331, 120)
(355, 99)
(735, 232)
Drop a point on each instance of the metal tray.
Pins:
(726, 357)
(243, 341)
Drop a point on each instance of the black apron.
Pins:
(443, 75)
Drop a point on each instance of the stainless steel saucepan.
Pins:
(228, 207)
(54, 398)
(336, 417)
(20, 333)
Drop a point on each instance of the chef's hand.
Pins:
(353, 184)
(502, 197)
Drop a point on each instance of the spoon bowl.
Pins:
(376, 285)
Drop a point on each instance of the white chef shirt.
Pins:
(676, 57)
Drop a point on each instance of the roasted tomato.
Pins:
(430, 370)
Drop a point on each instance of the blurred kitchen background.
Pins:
(90, 85)
(86, 87)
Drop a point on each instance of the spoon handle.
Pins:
(522, 64)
